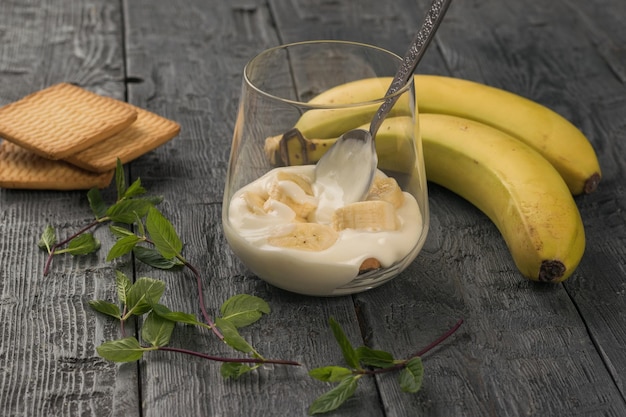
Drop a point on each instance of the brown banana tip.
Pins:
(551, 271)
(592, 183)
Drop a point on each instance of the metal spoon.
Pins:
(349, 165)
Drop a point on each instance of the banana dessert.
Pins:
(277, 225)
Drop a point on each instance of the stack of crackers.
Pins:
(67, 138)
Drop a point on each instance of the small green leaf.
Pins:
(176, 316)
(123, 285)
(143, 294)
(106, 307)
(348, 351)
(96, 203)
(134, 189)
(48, 238)
(232, 336)
(120, 179)
(83, 244)
(152, 257)
(411, 376)
(332, 399)
(234, 369)
(122, 350)
(120, 232)
(162, 234)
(122, 247)
(376, 358)
(157, 330)
(330, 373)
(141, 230)
(126, 211)
(243, 309)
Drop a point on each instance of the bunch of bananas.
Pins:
(517, 161)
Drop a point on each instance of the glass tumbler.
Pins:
(296, 99)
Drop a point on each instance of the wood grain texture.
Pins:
(524, 349)
(48, 361)
(191, 60)
(533, 332)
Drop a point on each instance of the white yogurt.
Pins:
(314, 272)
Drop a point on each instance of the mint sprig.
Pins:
(364, 361)
(142, 230)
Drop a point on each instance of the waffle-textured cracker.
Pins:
(22, 169)
(63, 119)
(147, 133)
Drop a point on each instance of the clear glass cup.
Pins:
(293, 105)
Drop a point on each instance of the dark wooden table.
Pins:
(524, 349)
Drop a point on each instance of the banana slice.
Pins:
(305, 236)
(386, 189)
(293, 191)
(296, 178)
(255, 202)
(374, 216)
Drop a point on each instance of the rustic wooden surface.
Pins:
(524, 349)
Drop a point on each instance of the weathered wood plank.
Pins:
(465, 270)
(49, 333)
(191, 60)
(524, 349)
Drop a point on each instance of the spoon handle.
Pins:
(413, 55)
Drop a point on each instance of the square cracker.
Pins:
(63, 119)
(22, 169)
(147, 133)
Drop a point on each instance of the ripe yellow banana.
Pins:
(558, 140)
(327, 123)
(518, 189)
(393, 145)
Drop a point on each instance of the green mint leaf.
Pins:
(152, 257)
(134, 189)
(162, 234)
(376, 358)
(411, 376)
(332, 399)
(141, 230)
(157, 330)
(96, 203)
(106, 307)
(123, 285)
(176, 316)
(143, 294)
(120, 180)
(330, 373)
(122, 247)
(48, 239)
(83, 244)
(126, 211)
(348, 351)
(232, 336)
(120, 232)
(234, 369)
(122, 350)
(243, 309)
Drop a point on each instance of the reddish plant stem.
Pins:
(419, 353)
(57, 245)
(439, 340)
(221, 359)
(203, 309)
